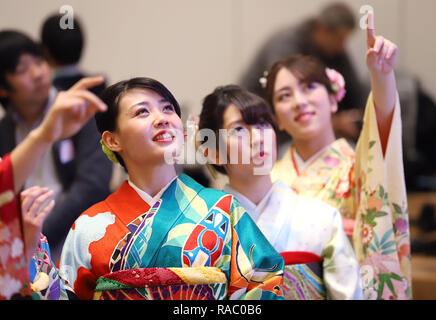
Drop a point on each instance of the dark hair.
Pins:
(64, 45)
(336, 16)
(253, 109)
(13, 44)
(107, 121)
(306, 68)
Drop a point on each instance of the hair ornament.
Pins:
(263, 80)
(338, 83)
(109, 153)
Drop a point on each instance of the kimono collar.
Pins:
(302, 165)
(252, 209)
(145, 196)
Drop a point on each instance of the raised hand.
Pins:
(71, 110)
(381, 54)
(34, 210)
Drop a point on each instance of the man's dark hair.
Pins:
(64, 45)
(13, 44)
(336, 16)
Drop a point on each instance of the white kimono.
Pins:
(293, 223)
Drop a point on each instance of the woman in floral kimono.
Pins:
(26, 269)
(366, 185)
(320, 262)
(162, 236)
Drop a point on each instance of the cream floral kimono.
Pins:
(369, 189)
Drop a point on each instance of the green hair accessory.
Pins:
(109, 153)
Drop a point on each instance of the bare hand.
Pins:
(71, 110)
(33, 212)
(381, 54)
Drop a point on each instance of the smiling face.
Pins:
(147, 127)
(256, 142)
(303, 109)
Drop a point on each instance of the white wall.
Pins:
(193, 46)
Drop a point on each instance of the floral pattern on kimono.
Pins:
(189, 226)
(14, 274)
(371, 190)
(44, 277)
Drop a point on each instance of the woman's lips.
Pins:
(163, 136)
(304, 117)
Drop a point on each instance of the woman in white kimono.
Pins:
(320, 262)
(367, 184)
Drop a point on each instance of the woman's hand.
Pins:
(381, 54)
(34, 213)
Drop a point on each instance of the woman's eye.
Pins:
(284, 96)
(264, 124)
(142, 111)
(168, 107)
(237, 130)
(311, 86)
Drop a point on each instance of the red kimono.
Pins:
(14, 274)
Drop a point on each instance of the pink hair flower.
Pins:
(338, 83)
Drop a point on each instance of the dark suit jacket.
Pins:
(85, 179)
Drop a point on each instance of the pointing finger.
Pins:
(93, 101)
(88, 82)
(370, 30)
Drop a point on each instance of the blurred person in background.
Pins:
(74, 168)
(63, 49)
(323, 36)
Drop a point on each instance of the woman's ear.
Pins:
(110, 139)
(333, 104)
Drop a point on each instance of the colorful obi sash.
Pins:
(196, 283)
(302, 278)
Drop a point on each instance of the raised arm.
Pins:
(70, 111)
(381, 57)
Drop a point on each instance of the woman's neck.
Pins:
(151, 179)
(253, 187)
(306, 148)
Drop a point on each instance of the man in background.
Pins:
(63, 49)
(75, 168)
(324, 37)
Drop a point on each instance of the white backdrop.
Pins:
(192, 46)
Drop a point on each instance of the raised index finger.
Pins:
(370, 30)
(88, 82)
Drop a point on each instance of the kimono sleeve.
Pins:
(341, 270)
(14, 275)
(381, 237)
(75, 263)
(44, 276)
(256, 268)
